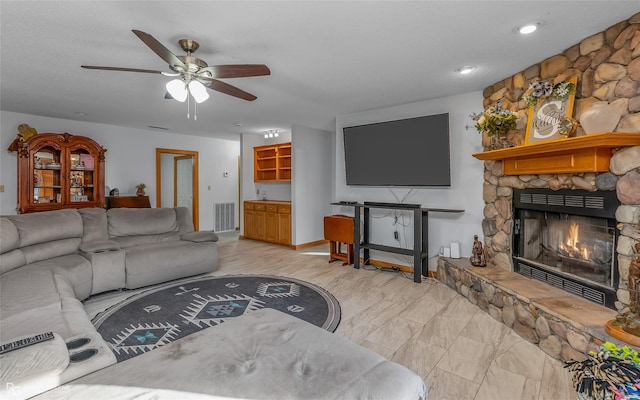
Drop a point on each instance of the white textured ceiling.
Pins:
(326, 58)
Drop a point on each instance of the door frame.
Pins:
(194, 182)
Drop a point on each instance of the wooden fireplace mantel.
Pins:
(589, 153)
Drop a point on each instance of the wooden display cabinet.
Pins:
(60, 170)
(272, 163)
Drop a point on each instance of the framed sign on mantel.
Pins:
(547, 112)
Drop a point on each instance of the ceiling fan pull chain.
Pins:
(188, 105)
(195, 110)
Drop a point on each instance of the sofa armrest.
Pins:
(33, 369)
(99, 246)
(200, 236)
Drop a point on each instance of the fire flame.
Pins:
(572, 243)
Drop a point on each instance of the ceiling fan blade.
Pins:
(147, 71)
(158, 48)
(225, 88)
(236, 71)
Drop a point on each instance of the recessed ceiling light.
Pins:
(528, 28)
(466, 69)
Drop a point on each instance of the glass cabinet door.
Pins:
(47, 176)
(81, 176)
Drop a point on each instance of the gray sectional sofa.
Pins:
(50, 261)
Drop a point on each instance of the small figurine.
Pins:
(25, 132)
(477, 253)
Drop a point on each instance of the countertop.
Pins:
(274, 202)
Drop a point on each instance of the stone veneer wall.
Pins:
(607, 65)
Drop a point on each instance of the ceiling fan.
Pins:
(193, 75)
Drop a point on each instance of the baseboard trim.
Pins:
(310, 244)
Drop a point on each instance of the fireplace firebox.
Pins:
(567, 238)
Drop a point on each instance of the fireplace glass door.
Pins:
(582, 247)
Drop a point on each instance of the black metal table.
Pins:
(420, 251)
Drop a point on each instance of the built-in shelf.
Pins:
(589, 153)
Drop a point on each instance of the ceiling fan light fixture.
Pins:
(198, 91)
(177, 90)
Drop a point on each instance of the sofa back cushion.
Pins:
(42, 236)
(94, 221)
(185, 220)
(11, 257)
(9, 238)
(134, 226)
(47, 226)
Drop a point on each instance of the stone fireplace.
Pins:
(607, 67)
(528, 221)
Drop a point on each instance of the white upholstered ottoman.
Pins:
(262, 355)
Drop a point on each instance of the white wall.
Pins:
(130, 159)
(466, 180)
(311, 183)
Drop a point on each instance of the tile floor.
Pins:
(459, 350)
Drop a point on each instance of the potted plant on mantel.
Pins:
(140, 187)
(496, 122)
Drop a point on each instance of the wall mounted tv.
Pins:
(408, 152)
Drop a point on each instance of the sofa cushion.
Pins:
(11, 260)
(136, 240)
(22, 290)
(9, 237)
(200, 236)
(141, 221)
(94, 221)
(74, 267)
(99, 246)
(29, 304)
(48, 250)
(185, 220)
(160, 262)
(11, 257)
(48, 226)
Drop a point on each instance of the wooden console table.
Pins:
(128, 202)
(420, 251)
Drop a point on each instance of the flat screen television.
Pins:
(407, 152)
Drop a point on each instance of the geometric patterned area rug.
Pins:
(158, 316)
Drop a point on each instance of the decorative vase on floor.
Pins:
(600, 117)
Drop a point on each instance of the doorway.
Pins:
(177, 180)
